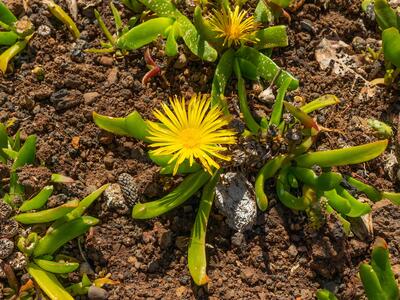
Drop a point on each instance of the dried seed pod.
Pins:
(5, 211)
(129, 188)
(18, 261)
(8, 228)
(6, 248)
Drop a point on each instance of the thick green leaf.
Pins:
(8, 38)
(47, 215)
(391, 45)
(133, 125)
(341, 157)
(222, 74)
(380, 262)
(263, 13)
(197, 260)
(267, 172)
(247, 68)
(371, 283)
(284, 194)
(26, 154)
(162, 8)
(61, 235)
(144, 33)
(358, 208)
(38, 201)
(304, 118)
(187, 188)
(371, 192)
(320, 102)
(7, 55)
(267, 69)
(194, 41)
(171, 46)
(3, 142)
(385, 15)
(61, 15)
(134, 5)
(339, 203)
(277, 108)
(251, 124)
(6, 16)
(271, 37)
(202, 25)
(394, 197)
(117, 17)
(325, 295)
(49, 283)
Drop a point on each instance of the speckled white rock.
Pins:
(235, 199)
(115, 199)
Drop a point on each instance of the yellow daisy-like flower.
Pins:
(233, 27)
(192, 133)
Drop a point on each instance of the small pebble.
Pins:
(96, 293)
(44, 30)
(267, 96)
(85, 268)
(90, 97)
(106, 60)
(181, 62)
(238, 239)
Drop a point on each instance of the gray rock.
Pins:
(235, 200)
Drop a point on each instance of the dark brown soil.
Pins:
(280, 258)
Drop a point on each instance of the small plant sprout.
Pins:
(233, 26)
(240, 39)
(68, 222)
(325, 191)
(62, 16)
(16, 34)
(389, 22)
(193, 134)
(170, 23)
(377, 277)
(189, 138)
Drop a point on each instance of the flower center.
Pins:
(234, 31)
(190, 137)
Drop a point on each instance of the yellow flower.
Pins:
(192, 133)
(233, 27)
